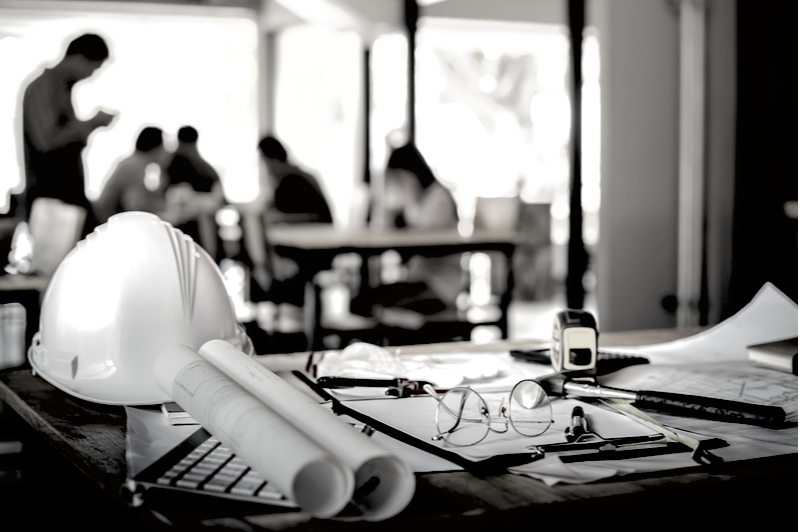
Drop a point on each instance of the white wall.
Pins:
(637, 253)
(721, 137)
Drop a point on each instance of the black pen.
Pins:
(577, 425)
(351, 382)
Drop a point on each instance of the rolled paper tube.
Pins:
(384, 484)
(301, 469)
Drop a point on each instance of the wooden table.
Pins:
(92, 437)
(314, 246)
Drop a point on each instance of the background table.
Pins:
(314, 246)
(92, 438)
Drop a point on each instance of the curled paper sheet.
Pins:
(384, 484)
(310, 455)
(298, 467)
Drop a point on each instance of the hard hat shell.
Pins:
(130, 291)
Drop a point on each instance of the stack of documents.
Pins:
(177, 415)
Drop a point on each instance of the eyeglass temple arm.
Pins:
(458, 416)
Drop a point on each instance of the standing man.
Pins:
(53, 137)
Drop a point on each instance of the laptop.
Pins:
(202, 464)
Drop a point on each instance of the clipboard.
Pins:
(613, 449)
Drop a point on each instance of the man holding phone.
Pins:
(53, 137)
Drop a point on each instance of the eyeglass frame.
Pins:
(502, 416)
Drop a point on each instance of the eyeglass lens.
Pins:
(462, 417)
(529, 409)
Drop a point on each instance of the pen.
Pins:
(408, 391)
(350, 382)
(577, 425)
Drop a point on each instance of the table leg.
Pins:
(505, 297)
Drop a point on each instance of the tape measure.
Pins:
(574, 344)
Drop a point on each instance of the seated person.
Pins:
(136, 183)
(415, 199)
(195, 191)
(188, 166)
(290, 195)
(296, 195)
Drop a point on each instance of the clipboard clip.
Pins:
(587, 445)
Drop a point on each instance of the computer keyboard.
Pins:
(202, 464)
(213, 467)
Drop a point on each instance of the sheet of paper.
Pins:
(418, 460)
(552, 471)
(736, 381)
(770, 316)
(481, 371)
(415, 416)
(714, 364)
(583, 472)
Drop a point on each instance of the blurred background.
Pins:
(686, 190)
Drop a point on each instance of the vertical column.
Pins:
(411, 16)
(577, 257)
(269, 53)
(691, 169)
(367, 111)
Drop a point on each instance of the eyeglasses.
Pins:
(463, 418)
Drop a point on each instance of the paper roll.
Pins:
(384, 484)
(297, 466)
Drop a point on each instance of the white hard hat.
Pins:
(130, 291)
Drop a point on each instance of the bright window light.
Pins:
(494, 116)
(169, 66)
(492, 106)
(320, 115)
(389, 95)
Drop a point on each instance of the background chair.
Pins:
(55, 229)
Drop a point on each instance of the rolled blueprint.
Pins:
(298, 467)
(384, 484)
